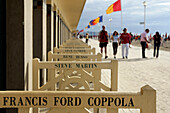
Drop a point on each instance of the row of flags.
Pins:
(112, 8)
(95, 21)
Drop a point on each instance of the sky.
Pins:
(157, 16)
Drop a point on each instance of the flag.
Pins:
(114, 7)
(81, 31)
(91, 22)
(96, 21)
(87, 27)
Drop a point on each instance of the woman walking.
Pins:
(125, 40)
(115, 39)
(157, 42)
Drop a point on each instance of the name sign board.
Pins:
(87, 50)
(68, 99)
(76, 65)
(78, 47)
(73, 50)
(76, 56)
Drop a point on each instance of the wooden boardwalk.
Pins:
(136, 72)
(133, 74)
(106, 79)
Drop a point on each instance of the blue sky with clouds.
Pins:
(157, 15)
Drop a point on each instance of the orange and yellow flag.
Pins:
(114, 7)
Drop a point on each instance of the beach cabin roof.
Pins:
(69, 10)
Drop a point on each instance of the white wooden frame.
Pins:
(145, 100)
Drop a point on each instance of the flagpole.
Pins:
(121, 17)
(121, 21)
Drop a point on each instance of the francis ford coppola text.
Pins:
(67, 101)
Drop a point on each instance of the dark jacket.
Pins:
(157, 39)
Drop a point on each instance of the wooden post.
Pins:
(114, 81)
(36, 79)
(55, 49)
(114, 75)
(99, 57)
(36, 76)
(52, 77)
(94, 51)
(50, 55)
(96, 110)
(110, 110)
(97, 79)
(49, 59)
(148, 100)
(51, 72)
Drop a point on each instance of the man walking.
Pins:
(103, 39)
(87, 37)
(143, 42)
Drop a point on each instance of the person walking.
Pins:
(143, 42)
(115, 39)
(87, 37)
(103, 39)
(157, 41)
(78, 35)
(125, 40)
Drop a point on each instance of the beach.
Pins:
(135, 72)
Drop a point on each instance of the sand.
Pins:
(135, 72)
